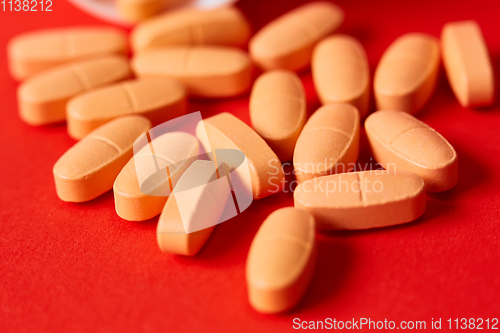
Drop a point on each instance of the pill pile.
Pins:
(81, 75)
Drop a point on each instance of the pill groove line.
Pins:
(150, 143)
(131, 98)
(411, 56)
(388, 145)
(307, 27)
(80, 75)
(349, 136)
(188, 59)
(362, 194)
(289, 238)
(108, 141)
(408, 130)
(196, 33)
(68, 44)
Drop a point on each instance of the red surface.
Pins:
(79, 267)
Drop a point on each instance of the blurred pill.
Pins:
(138, 10)
(159, 100)
(341, 73)
(406, 75)
(288, 41)
(33, 52)
(224, 26)
(278, 110)
(42, 98)
(206, 71)
(467, 63)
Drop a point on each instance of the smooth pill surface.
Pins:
(281, 260)
(36, 51)
(278, 110)
(132, 202)
(329, 142)
(43, 97)
(402, 142)
(138, 10)
(288, 41)
(341, 73)
(225, 131)
(208, 198)
(159, 100)
(406, 75)
(362, 200)
(206, 71)
(467, 63)
(90, 167)
(224, 26)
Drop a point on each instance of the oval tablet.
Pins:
(362, 200)
(402, 142)
(225, 131)
(36, 51)
(406, 75)
(159, 100)
(90, 167)
(329, 142)
(341, 73)
(138, 10)
(467, 63)
(288, 41)
(223, 26)
(278, 110)
(281, 260)
(132, 202)
(208, 194)
(42, 98)
(206, 71)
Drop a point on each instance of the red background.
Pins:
(79, 267)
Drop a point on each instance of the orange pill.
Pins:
(208, 197)
(222, 26)
(42, 98)
(36, 51)
(225, 131)
(467, 63)
(206, 71)
(341, 73)
(138, 10)
(281, 260)
(406, 75)
(288, 41)
(402, 142)
(278, 110)
(140, 201)
(329, 142)
(362, 200)
(159, 100)
(90, 167)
